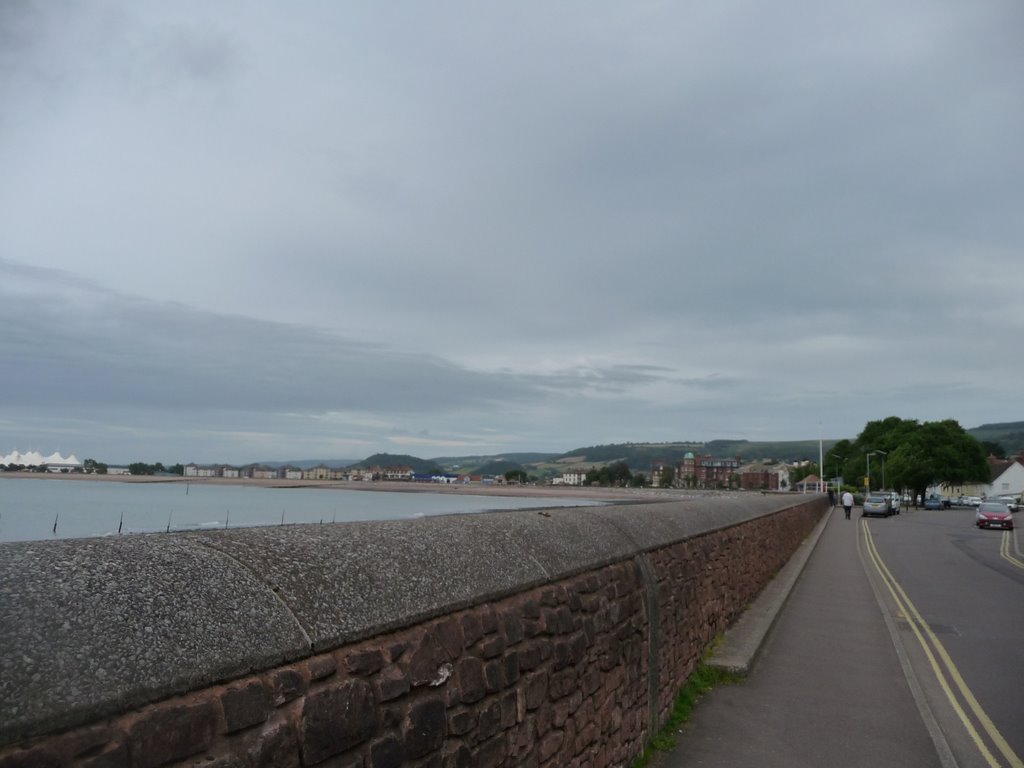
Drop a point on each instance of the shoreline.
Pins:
(621, 495)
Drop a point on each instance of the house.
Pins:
(194, 470)
(399, 473)
(572, 477)
(760, 478)
(707, 471)
(1007, 477)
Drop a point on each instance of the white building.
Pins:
(54, 462)
(1009, 482)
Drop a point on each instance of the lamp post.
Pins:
(840, 468)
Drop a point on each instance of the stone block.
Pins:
(472, 630)
(364, 661)
(322, 666)
(425, 728)
(392, 683)
(469, 677)
(275, 745)
(386, 753)
(245, 704)
(286, 685)
(168, 733)
(337, 718)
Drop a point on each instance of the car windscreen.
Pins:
(990, 507)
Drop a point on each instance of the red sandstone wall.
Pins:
(555, 677)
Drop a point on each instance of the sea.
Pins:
(39, 509)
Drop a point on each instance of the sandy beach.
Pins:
(622, 495)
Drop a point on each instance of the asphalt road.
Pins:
(901, 644)
(956, 598)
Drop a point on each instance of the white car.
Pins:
(894, 503)
(1013, 502)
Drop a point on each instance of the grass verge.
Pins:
(703, 679)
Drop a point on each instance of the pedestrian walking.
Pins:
(832, 498)
(847, 503)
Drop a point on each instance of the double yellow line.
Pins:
(1004, 550)
(946, 672)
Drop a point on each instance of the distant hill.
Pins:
(418, 465)
(310, 463)
(1010, 435)
(473, 464)
(639, 456)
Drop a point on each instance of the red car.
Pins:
(994, 514)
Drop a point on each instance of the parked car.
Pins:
(994, 514)
(894, 501)
(877, 503)
(934, 502)
(1013, 502)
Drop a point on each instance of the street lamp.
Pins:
(840, 466)
(868, 478)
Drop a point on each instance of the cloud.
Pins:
(550, 225)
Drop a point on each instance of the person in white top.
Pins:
(847, 503)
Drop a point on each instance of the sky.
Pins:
(245, 231)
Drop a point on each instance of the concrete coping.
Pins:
(94, 627)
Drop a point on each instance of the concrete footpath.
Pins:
(825, 686)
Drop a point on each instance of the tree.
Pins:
(615, 474)
(921, 455)
(516, 476)
(667, 477)
(993, 449)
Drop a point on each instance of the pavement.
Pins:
(824, 683)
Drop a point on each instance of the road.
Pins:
(954, 600)
(901, 644)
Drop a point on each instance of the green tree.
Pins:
(668, 475)
(516, 476)
(916, 456)
(993, 449)
(616, 474)
(938, 452)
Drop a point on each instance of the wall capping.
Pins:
(93, 628)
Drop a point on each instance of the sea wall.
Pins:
(537, 638)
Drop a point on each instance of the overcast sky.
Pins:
(239, 231)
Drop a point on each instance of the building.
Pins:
(760, 478)
(572, 477)
(707, 472)
(1007, 476)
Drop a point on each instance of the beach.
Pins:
(622, 495)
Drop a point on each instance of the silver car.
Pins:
(877, 503)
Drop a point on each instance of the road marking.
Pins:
(932, 647)
(1004, 549)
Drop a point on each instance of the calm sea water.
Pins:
(30, 508)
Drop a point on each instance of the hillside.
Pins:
(640, 456)
(1010, 435)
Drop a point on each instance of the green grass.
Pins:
(703, 679)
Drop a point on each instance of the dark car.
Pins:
(933, 502)
(877, 503)
(994, 514)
